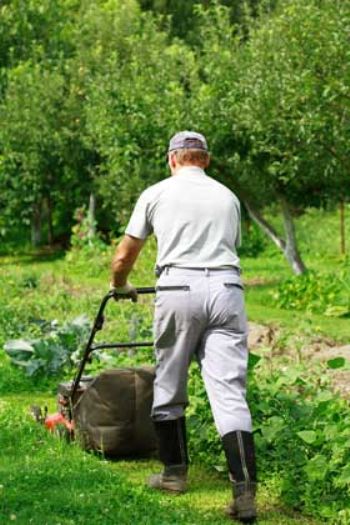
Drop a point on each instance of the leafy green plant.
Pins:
(87, 244)
(29, 281)
(315, 292)
(253, 241)
(301, 432)
(99, 256)
(84, 231)
(57, 349)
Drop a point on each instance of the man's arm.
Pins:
(124, 259)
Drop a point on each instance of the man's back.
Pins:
(195, 219)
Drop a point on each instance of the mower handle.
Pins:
(98, 324)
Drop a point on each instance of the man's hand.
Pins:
(128, 290)
(123, 260)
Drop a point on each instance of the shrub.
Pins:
(83, 232)
(315, 292)
(87, 246)
(253, 241)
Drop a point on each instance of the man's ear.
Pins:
(172, 160)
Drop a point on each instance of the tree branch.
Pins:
(264, 225)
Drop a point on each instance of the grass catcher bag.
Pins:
(111, 412)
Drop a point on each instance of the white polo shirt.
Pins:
(195, 219)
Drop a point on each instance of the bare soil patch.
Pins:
(318, 349)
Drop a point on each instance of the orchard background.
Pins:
(90, 93)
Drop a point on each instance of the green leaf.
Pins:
(34, 366)
(337, 362)
(337, 311)
(18, 345)
(325, 396)
(219, 468)
(331, 432)
(274, 426)
(344, 478)
(253, 360)
(316, 468)
(19, 350)
(309, 436)
(82, 322)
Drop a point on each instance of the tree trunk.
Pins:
(49, 221)
(288, 246)
(36, 225)
(265, 226)
(91, 216)
(291, 251)
(342, 227)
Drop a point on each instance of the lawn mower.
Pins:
(109, 412)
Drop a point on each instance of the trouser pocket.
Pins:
(171, 312)
(172, 288)
(234, 285)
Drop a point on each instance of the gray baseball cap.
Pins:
(188, 139)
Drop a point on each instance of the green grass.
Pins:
(66, 289)
(46, 481)
(262, 277)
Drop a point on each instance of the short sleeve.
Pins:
(238, 240)
(238, 237)
(139, 224)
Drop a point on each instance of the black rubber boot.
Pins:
(173, 454)
(240, 455)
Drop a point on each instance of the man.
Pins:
(199, 313)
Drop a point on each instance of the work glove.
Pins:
(128, 290)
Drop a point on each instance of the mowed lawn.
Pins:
(45, 481)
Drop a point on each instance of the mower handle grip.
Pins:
(146, 289)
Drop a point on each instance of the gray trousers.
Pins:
(200, 314)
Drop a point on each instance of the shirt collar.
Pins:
(189, 170)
